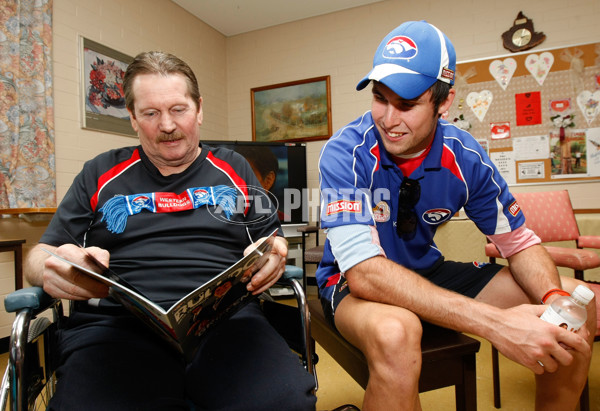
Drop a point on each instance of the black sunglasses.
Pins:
(408, 197)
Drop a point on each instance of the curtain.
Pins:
(27, 171)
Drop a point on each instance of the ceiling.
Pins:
(231, 17)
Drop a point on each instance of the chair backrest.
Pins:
(549, 214)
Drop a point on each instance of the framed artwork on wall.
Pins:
(102, 97)
(294, 111)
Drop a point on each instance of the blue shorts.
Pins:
(467, 279)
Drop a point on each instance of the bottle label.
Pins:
(553, 317)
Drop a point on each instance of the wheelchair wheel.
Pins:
(40, 372)
(38, 376)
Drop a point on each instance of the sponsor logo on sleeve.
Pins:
(514, 208)
(342, 206)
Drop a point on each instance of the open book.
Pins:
(184, 324)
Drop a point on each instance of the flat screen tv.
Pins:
(281, 169)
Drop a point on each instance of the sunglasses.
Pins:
(408, 197)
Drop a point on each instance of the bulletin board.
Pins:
(536, 113)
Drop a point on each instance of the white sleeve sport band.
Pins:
(354, 243)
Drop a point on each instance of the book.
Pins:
(186, 321)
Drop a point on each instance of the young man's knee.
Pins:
(396, 333)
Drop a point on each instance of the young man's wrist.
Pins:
(553, 294)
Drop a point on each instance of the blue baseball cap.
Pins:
(411, 58)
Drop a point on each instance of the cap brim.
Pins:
(406, 85)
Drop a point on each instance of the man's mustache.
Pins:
(170, 137)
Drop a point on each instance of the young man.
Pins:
(110, 360)
(388, 179)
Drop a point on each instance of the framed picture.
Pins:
(102, 97)
(294, 111)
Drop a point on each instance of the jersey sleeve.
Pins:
(74, 213)
(346, 174)
(490, 205)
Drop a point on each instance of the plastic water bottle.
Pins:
(569, 312)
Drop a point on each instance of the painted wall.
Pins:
(339, 44)
(342, 45)
(130, 27)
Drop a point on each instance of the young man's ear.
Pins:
(445, 106)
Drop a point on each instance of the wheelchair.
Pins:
(29, 380)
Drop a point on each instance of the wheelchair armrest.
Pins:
(291, 271)
(34, 298)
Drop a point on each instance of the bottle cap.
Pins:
(583, 294)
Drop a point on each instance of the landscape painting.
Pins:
(294, 111)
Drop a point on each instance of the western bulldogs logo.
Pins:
(201, 195)
(141, 201)
(400, 47)
(436, 215)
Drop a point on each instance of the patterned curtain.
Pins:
(27, 173)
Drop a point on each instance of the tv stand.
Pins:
(290, 232)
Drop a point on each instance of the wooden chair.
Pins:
(550, 215)
(448, 358)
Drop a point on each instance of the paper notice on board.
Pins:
(531, 148)
(528, 108)
(531, 170)
(593, 151)
(505, 162)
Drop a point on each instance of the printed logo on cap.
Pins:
(400, 47)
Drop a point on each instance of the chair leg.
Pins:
(466, 392)
(495, 366)
(496, 377)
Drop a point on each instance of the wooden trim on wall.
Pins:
(587, 211)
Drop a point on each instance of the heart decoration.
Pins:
(589, 104)
(503, 70)
(539, 66)
(480, 102)
(559, 106)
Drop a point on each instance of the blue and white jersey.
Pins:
(360, 184)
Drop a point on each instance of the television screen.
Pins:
(281, 170)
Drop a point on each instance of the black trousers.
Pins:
(114, 362)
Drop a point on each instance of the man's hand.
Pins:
(273, 268)
(530, 341)
(62, 280)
